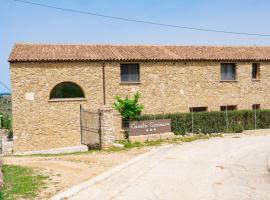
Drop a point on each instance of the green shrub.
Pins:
(128, 108)
(5, 121)
(215, 122)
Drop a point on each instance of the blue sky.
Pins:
(26, 23)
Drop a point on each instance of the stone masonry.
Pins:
(106, 125)
(165, 87)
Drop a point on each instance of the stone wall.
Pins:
(43, 124)
(176, 86)
(165, 87)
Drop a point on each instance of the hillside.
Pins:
(5, 104)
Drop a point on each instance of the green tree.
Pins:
(128, 108)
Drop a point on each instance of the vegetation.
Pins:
(128, 108)
(5, 121)
(215, 122)
(5, 105)
(187, 138)
(5, 114)
(20, 183)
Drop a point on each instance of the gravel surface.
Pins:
(230, 168)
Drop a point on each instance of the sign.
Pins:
(149, 127)
(30, 96)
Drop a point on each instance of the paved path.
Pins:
(229, 168)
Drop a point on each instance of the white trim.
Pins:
(66, 99)
(72, 149)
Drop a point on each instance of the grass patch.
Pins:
(193, 138)
(177, 140)
(20, 183)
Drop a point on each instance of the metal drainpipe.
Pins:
(103, 76)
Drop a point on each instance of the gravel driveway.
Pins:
(228, 168)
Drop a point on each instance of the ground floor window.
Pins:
(228, 107)
(198, 109)
(66, 90)
(256, 106)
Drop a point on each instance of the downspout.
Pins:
(104, 89)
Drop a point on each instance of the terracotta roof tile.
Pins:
(61, 52)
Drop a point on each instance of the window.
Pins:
(255, 71)
(130, 73)
(256, 107)
(66, 90)
(228, 107)
(198, 109)
(227, 71)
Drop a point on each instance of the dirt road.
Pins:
(228, 168)
(67, 170)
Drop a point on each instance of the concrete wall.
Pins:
(165, 87)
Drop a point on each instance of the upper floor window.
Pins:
(66, 90)
(255, 71)
(198, 109)
(227, 71)
(130, 73)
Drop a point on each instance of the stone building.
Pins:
(50, 82)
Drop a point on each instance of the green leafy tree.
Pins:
(128, 108)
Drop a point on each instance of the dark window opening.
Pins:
(66, 90)
(227, 71)
(256, 107)
(130, 73)
(198, 109)
(228, 107)
(255, 71)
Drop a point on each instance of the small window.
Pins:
(130, 73)
(228, 107)
(256, 107)
(227, 71)
(66, 90)
(198, 109)
(255, 71)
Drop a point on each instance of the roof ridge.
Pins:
(64, 52)
(133, 45)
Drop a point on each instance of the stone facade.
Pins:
(165, 87)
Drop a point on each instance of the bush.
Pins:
(128, 108)
(215, 122)
(5, 121)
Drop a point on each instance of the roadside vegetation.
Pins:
(215, 121)
(177, 140)
(5, 104)
(21, 183)
(5, 115)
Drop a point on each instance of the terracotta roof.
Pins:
(61, 52)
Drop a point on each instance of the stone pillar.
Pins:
(106, 126)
